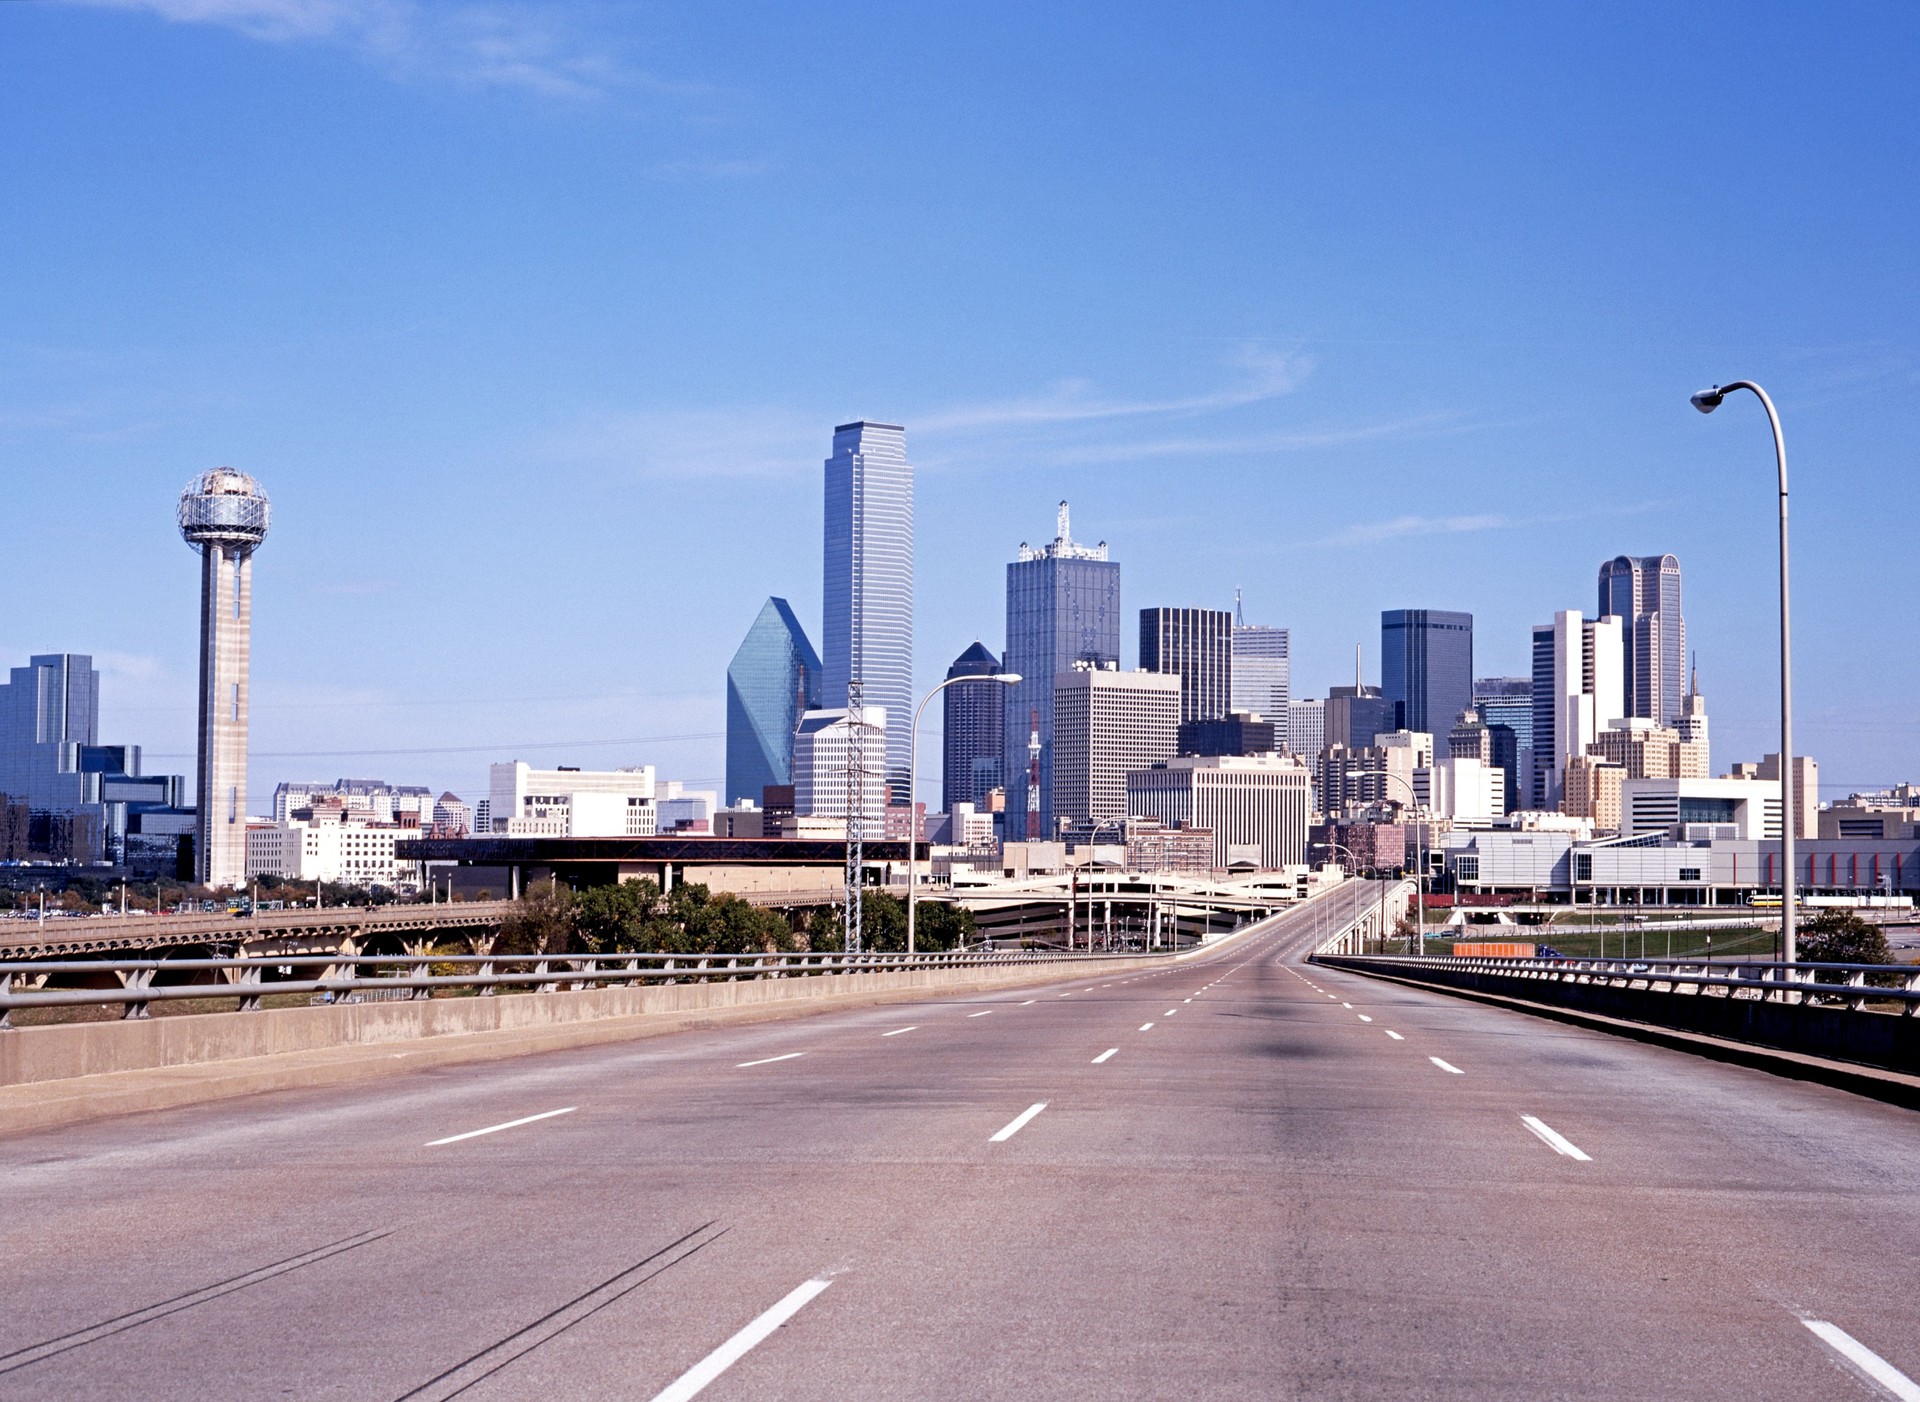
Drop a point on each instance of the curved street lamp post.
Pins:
(1706, 401)
(913, 780)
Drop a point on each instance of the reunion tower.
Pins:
(223, 515)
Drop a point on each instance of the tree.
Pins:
(1841, 937)
(621, 919)
(541, 922)
(938, 925)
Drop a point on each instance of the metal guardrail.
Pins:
(350, 977)
(1851, 986)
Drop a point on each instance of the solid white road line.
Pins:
(1446, 1066)
(898, 1030)
(1145, 1025)
(1865, 1359)
(984, 1012)
(495, 1129)
(1555, 1140)
(767, 1060)
(1019, 1123)
(1395, 1035)
(1104, 1055)
(691, 1382)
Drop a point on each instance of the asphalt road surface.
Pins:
(1245, 1177)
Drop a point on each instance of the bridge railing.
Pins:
(346, 978)
(1849, 986)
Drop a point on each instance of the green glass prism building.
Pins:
(772, 680)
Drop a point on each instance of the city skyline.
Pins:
(1320, 386)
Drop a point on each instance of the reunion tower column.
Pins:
(223, 515)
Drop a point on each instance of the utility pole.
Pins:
(856, 812)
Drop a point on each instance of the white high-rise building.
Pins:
(224, 515)
(1578, 693)
(1247, 801)
(1107, 723)
(825, 781)
(526, 802)
(1307, 728)
(867, 582)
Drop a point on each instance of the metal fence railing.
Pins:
(1850, 986)
(140, 983)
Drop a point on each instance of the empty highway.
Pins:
(1241, 1177)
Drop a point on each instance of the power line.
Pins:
(467, 749)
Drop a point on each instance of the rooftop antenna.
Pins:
(1358, 684)
(1239, 614)
(1060, 525)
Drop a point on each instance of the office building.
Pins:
(1106, 724)
(1644, 594)
(1806, 788)
(71, 798)
(452, 816)
(1353, 715)
(1470, 738)
(223, 515)
(359, 800)
(1063, 610)
(1261, 669)
(1577, 694)
(1236, 734)
(1195, 645)
(328, 848)
(837, 769)
(1693, 810)
(973, 742)
(1256, 806)
(1591, 788)
(528, 802)
(1306, 728)
(1506, 705)
(1692, 724)
(774, 677)
(1426, 664)
(866, 627)
(1462, 789)
(678, 808)
(1646, 750)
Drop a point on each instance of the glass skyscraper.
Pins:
(866, 628)
(773, 678)
(1197, 646)
(1263, 675)
(1426, 664)
(974, 744)
(1063, 607)
(1644, 594)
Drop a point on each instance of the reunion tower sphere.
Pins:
(224, 507)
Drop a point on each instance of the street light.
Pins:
(913, 779)
(1420, 852)
(1706, 401)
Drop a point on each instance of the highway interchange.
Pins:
(1240, 1177)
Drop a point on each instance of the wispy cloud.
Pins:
(1395, 528)
(1263, 374)
(478, 44)
(1230, 445)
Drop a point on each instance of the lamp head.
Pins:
(1006, 678)
(1707, 400)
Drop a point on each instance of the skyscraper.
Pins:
(866, 628)
(1644, 594)
(1426, 664)
(1576, 695)
(224, 515)
(48, 710)
(1506, 705)
(773, 679)
(1063, 607)
(1197, 646)
(974, 744)
(1262, 670)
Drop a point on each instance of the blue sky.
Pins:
(535, 319)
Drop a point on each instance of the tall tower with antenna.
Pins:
(223, 515)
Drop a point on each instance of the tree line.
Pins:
(635, 917)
